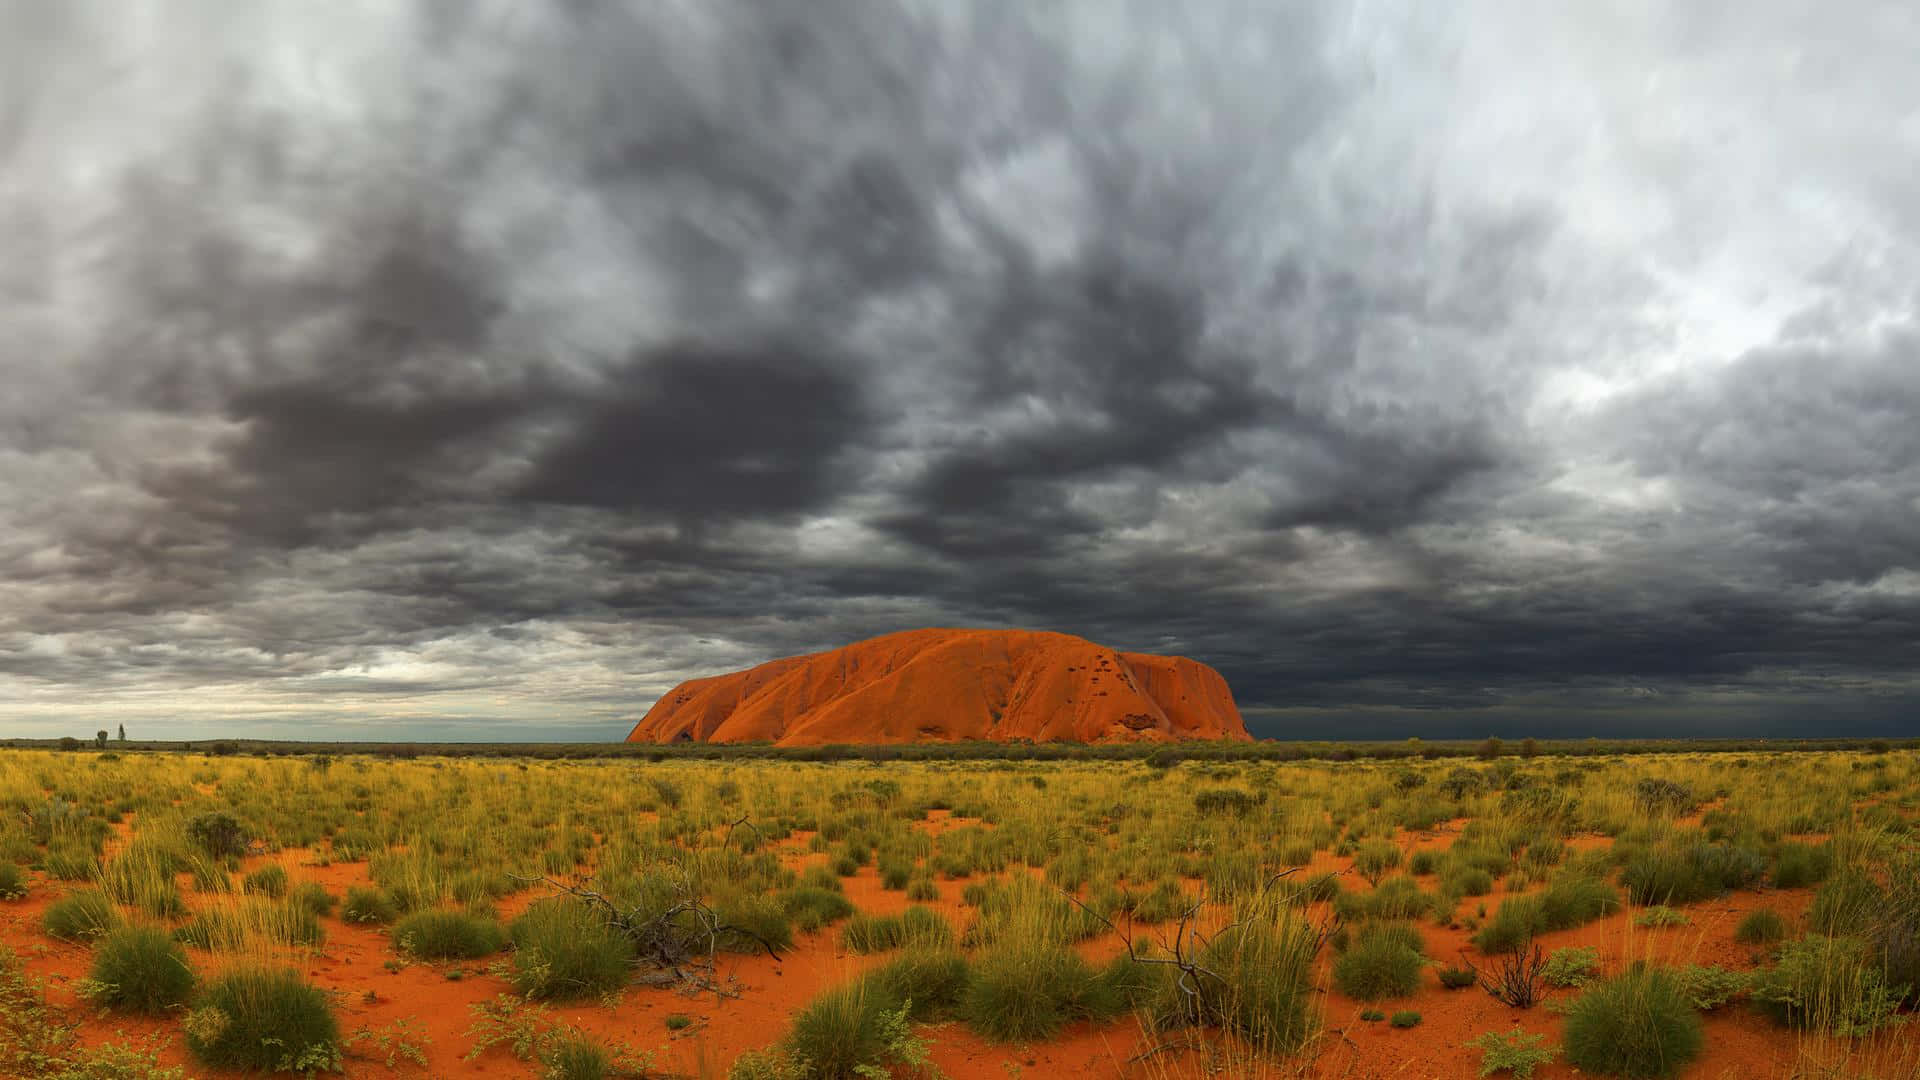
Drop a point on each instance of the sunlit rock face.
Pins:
(939, 685)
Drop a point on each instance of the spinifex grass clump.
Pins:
(1026, 988)
(366, 905)
(448, 935)
(1570, 900)
(1672, 874)
(852, 1031)
(140, 969)
(80, 916)
(1253, 978)
(70, 862)
(1374, 859)
(141, 877)
(1847, 904)
(1458, 880)
(1824, 983)
(1021, 902)
(414, 880)
(239, 922)
(1456, 978)
(269, 880)
(313, 897)
(13, 881)
(1393, 899)
(1660, 916)
(1761, 927)
(1574, 899)
(756, 922)
(1797, 866)
(1267, 967)
(256, 1018)
(1893, 937)
(565, 949)
(579, 1057)
(1384, 961)
(933, 979)
(879, 933)
(1638, 1024)
(811, 907)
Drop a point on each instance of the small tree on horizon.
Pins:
(123, 733)
(100, 739)
(1529, 747)
(1491, 749)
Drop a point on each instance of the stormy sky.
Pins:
(478, 370)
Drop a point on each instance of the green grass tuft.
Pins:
(312, 897)
(448, 935)
(1384, 961)
(1264, 992)
(753, 922)
(1457, 978)
(263, 1019)
(1760, 927)
(270, 880)
(1638, 1024)
(140, 969)
(578, 1057)
(934, 979)
(80, 916)
(881, 933)
(1825, 983)
(365, 905)
(13, 881)
(1025, 991)
(1797, 866)
(1660, 915)
(563, 949)
(840, 1033)
(1847, 904)
(811, 907)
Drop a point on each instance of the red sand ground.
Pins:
(947, 685)
(1739, 1044)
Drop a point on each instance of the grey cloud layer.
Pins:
(480, 369)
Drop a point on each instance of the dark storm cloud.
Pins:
(449, 367)
(707, 431)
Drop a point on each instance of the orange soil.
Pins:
(352, 962)
(945, 685)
